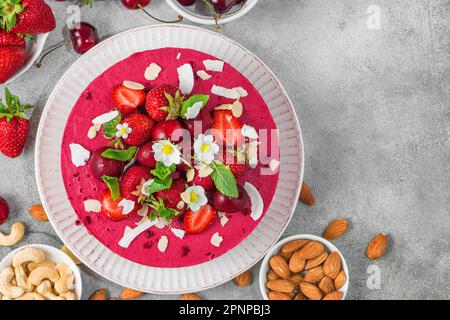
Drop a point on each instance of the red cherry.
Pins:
(145, 155)
(4, 210)
(227, 204)
(83, 37)
(135, 4)
(166, 129)
(203, 121)
(102, 166)
(187, 3)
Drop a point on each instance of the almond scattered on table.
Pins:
(38, 213)
(100, 294)
(130, 294)
(335, 229)
(189, 296)
(306, 195)
(377, 246)
(245, 279)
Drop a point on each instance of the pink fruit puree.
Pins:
(81, 185)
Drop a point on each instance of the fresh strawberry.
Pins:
(14, 125)
(226, 128)
(171, 197)
(127, 100)
(238, 169)
(141, 129)
(131, 179)
(26, 16)
(199, 221)
(12, 58)
(207, 183)
(11, 39)
(158, 105)
(110, 208)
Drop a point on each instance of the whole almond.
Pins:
(38, 213)
(335, 229)
(332, 265)
(296, 279)
(189, 296)
(340, 280)
(326, 285)
(296, 264)
(280, 285)
(377, 246)
(299, 296)
(335, 295)
(280, 266)
(311, 291)
(285, 256)
(271, 275)
(317, 261)
(311, 250)
(244, 279)
(130, 294)
(278, 296)
(100, 294)
(293, 246)
(314, 275)
(306, 195)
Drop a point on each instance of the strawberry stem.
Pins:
(180, 18)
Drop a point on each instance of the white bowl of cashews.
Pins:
(39, 272)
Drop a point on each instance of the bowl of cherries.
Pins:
(212, 12)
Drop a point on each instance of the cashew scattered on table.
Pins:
(67, 280)
(30, 296)
(46, 263)
(29, 254)
(22, 279)
(46, 289)
(14, 237)
(39, 274)
(69, 295)
(6, 298)
(6, 288)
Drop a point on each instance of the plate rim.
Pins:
(40, 185)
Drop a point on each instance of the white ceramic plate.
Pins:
(190, 14)
(98, 257)
(53, 254)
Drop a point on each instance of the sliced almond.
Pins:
(317, 261)
(332, 265)
(326, 285)
(314, 275)
(280, 285)
(92, 132)
(311, 250)
(335, 229)
(163, 242)
(237, 108)
(202, 74)
(340, 280)
(152, 72)
(133, 85)
(226, 106)
(293, 245)
(377, 246)
(190, 174)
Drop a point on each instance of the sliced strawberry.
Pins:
(159, 107)
(199, 221)
(206, 182)
(131, 179)
(141, 127)
(226, 128)
(110, 208)
(127, 100)
(172, 196)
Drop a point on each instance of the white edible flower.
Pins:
(193, 111)
(205, 148)
(123, 130)
(166, 152)
(194, 197)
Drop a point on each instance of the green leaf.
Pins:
(224, 180)
(159, 185)
(121, 155)
(110, 129)
(12, 107)
(113, 186)
(162, 172)
(160, 210)
(185, 105)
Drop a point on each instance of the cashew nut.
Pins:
(46, 263)
(67, 280)
(16, 234)
(28, 254)
(69, 295)
(39, 274)
(45, 289)
(30, 296)
(22, 279)
(6, 298)
(6, 288)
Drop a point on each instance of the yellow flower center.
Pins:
(124, 131)
(205, 147)
(193, 197)
(167, 149)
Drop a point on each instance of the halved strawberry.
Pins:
(159, 107)
(110, 208)
(141, 129)
(131, 179)
(226, 128)
(172, 196)
(199, 221)
(127, 100)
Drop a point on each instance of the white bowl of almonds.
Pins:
(304, 267)
(39, 272)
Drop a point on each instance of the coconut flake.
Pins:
(178, 233)
(216, 240)
(143, 219)
(132, 234)
(178, 55)
(92, 205)
(242, 92)
(106, 117)
(133, 85)
(127, 206)
(127, 229)
(237, 108)
(224, 220)
(142, 212)
(79, 155)
(225, 92)
(163, 243)
(180, 205)
(152, 72)
(202, 74)
(213, 65)
(161, 224)
(274, 164)
(186, 78)
(249, 132)
(257, 203)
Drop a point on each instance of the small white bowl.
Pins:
(52, 254)
(274, 250)
(191, 15)
(32, 51)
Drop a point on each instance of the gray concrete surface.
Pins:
(374, 111)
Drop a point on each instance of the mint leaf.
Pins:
(160, 210)
(158, 185)
(110, 129)
(121, 155)
(224, 180)
(162, 172)
(186, 104)
(113, 186)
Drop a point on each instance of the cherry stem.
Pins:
(180, 18)
(215, 16)
(50, 50)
